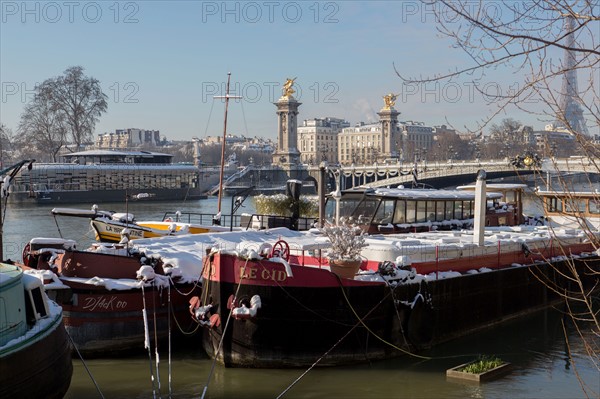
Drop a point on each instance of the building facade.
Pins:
(416, 138)
(318, 139)
(375, 142)
(129, 138)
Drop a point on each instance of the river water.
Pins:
(535, 345)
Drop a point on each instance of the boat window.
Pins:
(449, 210)
(385, 211)
(553, 204)
(458, 210)
(575, 205)
(421, 211)
(430, 211)
(347, 206)
(400, 213)
(35, 305)
(468, 210)
(439, 211)
(594, 206)
(366, 208)
(510, 197)
(411, 211)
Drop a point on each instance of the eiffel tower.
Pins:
(570, 108)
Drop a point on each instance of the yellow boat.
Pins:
(114, 226)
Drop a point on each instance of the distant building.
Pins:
(230, 139)
(318, 139)
(416, 136)
(129, 138)
(553, 140)
(443, 129)
(360, 144)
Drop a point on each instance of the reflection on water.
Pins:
(534, 345)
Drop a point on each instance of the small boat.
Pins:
(114, 298)
(574, 210)
(35, 352)
(111, 226)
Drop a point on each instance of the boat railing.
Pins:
(245, 220)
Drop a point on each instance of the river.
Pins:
(535, 345)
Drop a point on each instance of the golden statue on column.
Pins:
(390, 100)
(287, 87)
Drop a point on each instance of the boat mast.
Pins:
(217, 219)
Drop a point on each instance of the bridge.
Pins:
(453, 173)
(436, 174)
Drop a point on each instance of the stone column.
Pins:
(287, 131)
(391, 137)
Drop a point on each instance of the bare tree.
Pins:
(42, 124)
(549, 43)
(79, 99)
(6, 140)
(524, 37)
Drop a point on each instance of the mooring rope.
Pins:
(157, 358)
(169, 328)
(84, 364)
(214, 362)
(147, 341)
(197, 282)
(179, 325)
(328, 351)
(302, 305)
(361, 321)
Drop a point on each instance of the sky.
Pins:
(161, 63)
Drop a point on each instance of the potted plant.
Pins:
(347, 240)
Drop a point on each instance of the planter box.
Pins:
(454, 373)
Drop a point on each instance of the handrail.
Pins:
(246, 221)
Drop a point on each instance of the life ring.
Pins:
(168, 220)
(26, 255)
(281, 249)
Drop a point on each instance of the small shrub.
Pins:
(280, 205)
(483, 364)
(346, 238)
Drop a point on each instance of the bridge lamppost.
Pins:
(553, 148)
(401, 157)
(424, 152)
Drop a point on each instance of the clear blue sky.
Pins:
(160, 63)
